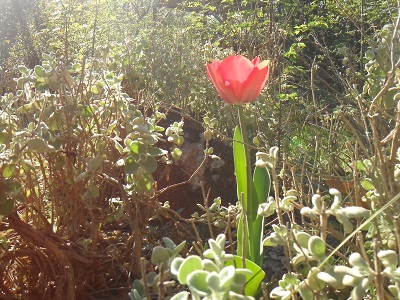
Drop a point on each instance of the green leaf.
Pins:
(23, 69)
(262, 184)
(37, 144)
(367, 184)
(253, 280)
(240, 160)
(9, 170)
(189, 266)
(317, 246)
(40, 71)
(155, 151)
(11, 187)
(176, 264)
(360, 166)
(160, 255)
(131, 166)
(86, 111)
(197, 280)
(181, 296)
(94, 163)
(137, 147)
(149, 164)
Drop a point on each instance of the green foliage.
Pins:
(251, 193)
(162, 257)
(217, 275)
(84, 121)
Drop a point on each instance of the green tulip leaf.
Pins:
(253, 279)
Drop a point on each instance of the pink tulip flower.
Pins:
(237, 79)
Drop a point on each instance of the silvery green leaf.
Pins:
(197, 282)
(332, 279)
(351, 281)
(189, 266)
(160, 255)
(302, 239)
(342, 218)
(266, 209)
(308, 212)
(214, 282)
(181, 296)
(356, 260)
(337, 198)
(388, 258)
(317, 247)
(317, 201)
(355, 212)
(209, 265)
(305, 291)
(226, 275)
(176, 264)
(394, 291)
(280, 293)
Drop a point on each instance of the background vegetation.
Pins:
(101, 100)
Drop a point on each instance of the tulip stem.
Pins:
(247, 208)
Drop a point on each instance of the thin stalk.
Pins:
(247, 154)
(246, 199)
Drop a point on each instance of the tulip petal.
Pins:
(236, 68)
(255, 83)
(256, 61)
(220, 84)
(237, 79)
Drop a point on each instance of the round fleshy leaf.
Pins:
(313, 281)
(367, 184)
(197, 281)
(388, 257)
(181, 296)
(160, 255)
(8, 170)
(214, 282)
(149, 164)
(176, 264)
(189, 266)
(317, 202)
(356, 260)
(317, 247)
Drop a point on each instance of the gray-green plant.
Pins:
(217, 274)
(162, 257)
